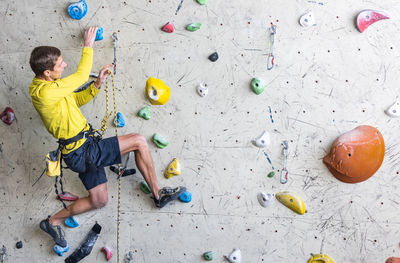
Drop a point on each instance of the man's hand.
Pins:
(103, 74)
(90, 36)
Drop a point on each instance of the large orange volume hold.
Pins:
(356, 155)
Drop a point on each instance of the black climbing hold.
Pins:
(213, 57)
(19, 244)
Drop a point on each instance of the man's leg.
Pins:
(137, 143)
(98, 197)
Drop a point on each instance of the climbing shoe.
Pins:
(49, 229)
(168, 194)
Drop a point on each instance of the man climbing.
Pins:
(58, 106)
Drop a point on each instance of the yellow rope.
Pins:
(103, 129)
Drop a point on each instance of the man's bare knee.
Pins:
(99, 201)
(138, 141)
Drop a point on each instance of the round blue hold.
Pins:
(71, 222)
(186, 197)
(60, 250)
(77, 10)
(99, 34)
(119, 120)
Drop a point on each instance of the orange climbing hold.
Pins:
(356, 155)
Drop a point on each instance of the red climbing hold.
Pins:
(169, 28)
(67, 196)
(107, 252)
(367, 17)
(7, 116)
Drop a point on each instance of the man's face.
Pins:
(57, 70)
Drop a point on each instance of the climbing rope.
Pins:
(103, 129)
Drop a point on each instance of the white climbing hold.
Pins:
(307, 19)
(202, 90)
(235, 256)
(263, 140)
(394, 110)
(265, 199)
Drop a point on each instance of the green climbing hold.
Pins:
(271, 174)
(159, 141)
(257, 85)
(145, 187)
(202, 2)
(145, 113)
(193, 27)
(208, 256)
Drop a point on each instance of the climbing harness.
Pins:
(284, 172)
(271, 57)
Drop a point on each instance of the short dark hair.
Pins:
(43, 58)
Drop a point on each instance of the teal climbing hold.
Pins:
(119, 120)
(145, 187)
(71, 222)
(202, 2)
(59, 250)
(257, 85)
(99, 34)
(77, 10)
(208, 256)
(186, 197)
(145, 113)
(193, 27)
(159, 141)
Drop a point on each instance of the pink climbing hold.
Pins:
(7, 116)
(367, 17)
(107, 252)
(67, 196)
(168, 27)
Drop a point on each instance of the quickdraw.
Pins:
(284, 172)
(271, 57)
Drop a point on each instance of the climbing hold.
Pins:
(107, 252)
(59, 250)
(213, 57)
(67, 196)
(7, 116)
(307, 19)
(367, 17)
(77, 10)
(18, 244)
(119, 120)
(271, 174)
(262, 141)
(159, 141)
(202, 90)
(257, 85)
(145, 187)
(392, 260)
(320, 258)
(208, 256)
(202, 2)
(235, 256)
(186, 197)
(71, 222)
(292, 201)
(394, 110)
(157, 92)
(168, 27)
(99, 34)
(193, 27)
(356, 155)
(129, 257)
(145, 113)
(173, 169)
(86, 246)
(265, 199)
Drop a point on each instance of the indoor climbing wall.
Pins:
(327, 79)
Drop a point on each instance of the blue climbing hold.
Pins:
(71, 222)
(60, 250)
(77, 10)
(119, 120)
(186, 197)
(99, 34)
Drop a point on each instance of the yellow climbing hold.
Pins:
(173, 169)
(157, 92)
(292, 201)
(320, 258)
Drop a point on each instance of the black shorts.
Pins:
(90, 159)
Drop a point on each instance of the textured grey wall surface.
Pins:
(327, 79)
